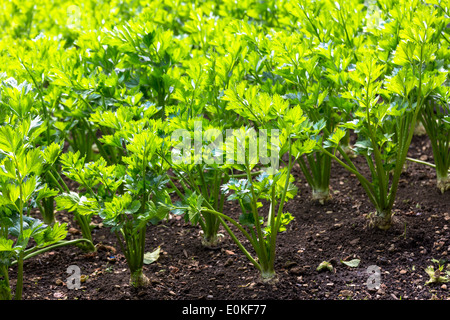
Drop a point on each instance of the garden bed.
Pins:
(332, 232)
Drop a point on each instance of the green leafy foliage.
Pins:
(134, 103)
(21, 186)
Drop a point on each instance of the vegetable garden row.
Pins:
(167, 107)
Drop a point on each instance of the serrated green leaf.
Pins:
(45, 192)
(51, 234)
(6, 245)
(51, 153)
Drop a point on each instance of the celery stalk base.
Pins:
(443, 183)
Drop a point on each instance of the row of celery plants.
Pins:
(117, 97)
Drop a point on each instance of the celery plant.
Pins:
(435, 114)
(316, 72)
(126, 196)
(153, 52)
(140, 204)
(204, 117)
(87, 176)
(20, 100)
(20, 172)
(435, 117)
(386, 117)
(203, 181)
(50, 155)
(273, 185)
(193, 176)
(304, 72)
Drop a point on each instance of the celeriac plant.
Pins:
(127, 196)
(88, 176)
(388, 108)
(142, 200)
(435, 118)
(308, 69)
(20, 168)
(274, 185)
(317, 77)
(193, 177)
(152, 53)
(19, 100)
(201, 119)
(435, 113)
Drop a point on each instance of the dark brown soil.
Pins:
(332, 232)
